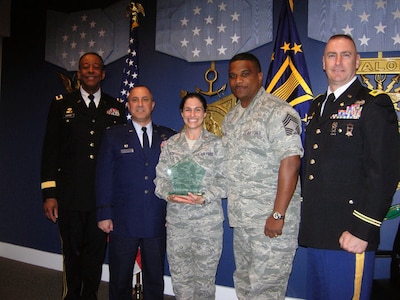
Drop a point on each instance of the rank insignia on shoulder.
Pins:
(376, 92)
(59, 97)
(120, 100)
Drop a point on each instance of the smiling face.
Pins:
(91, 72)
(245, 79)
(193, 113)
(340, 61)
(140, 104)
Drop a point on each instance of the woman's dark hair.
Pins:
(193, 95)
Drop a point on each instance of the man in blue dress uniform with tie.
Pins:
(127, 207)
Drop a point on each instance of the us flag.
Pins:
(374, 25)
(130, 76)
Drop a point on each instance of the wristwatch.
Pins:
(277, 216)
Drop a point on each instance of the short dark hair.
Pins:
(142, 86)
(193, 95)
(342, 36)
(92, 53)
(247, 56)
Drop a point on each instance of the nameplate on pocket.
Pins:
(129, 150)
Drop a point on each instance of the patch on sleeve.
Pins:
(291, 125)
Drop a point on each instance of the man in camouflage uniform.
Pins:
(261, 136)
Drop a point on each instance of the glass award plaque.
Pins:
(186, 176)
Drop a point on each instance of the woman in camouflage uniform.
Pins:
(194, 219)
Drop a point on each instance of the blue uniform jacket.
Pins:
(124, 182)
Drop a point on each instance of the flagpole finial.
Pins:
(133, 11)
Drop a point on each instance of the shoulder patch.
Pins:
(59, 97)
(376, 92)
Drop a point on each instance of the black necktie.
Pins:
(146, 144)
(92, 105)
(328, 104)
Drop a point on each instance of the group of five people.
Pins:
(102, 180)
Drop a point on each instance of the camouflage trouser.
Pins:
(263, 264)
(193, 256)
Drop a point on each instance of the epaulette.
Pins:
(376, 92)
(59, 97)
(317, 96)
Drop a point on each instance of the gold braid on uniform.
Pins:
(367, 219)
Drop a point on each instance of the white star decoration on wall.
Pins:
(213, 29)
(104, 31)
(374, 25)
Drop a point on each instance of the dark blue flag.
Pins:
(287, 75)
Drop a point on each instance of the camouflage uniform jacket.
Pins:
(208, 153)
(267, 132)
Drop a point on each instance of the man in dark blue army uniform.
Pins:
(75, 125)
(351, 170)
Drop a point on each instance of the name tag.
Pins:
(129, 150)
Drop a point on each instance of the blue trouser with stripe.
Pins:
(338, 274)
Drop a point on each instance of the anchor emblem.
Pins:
(211, 75)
